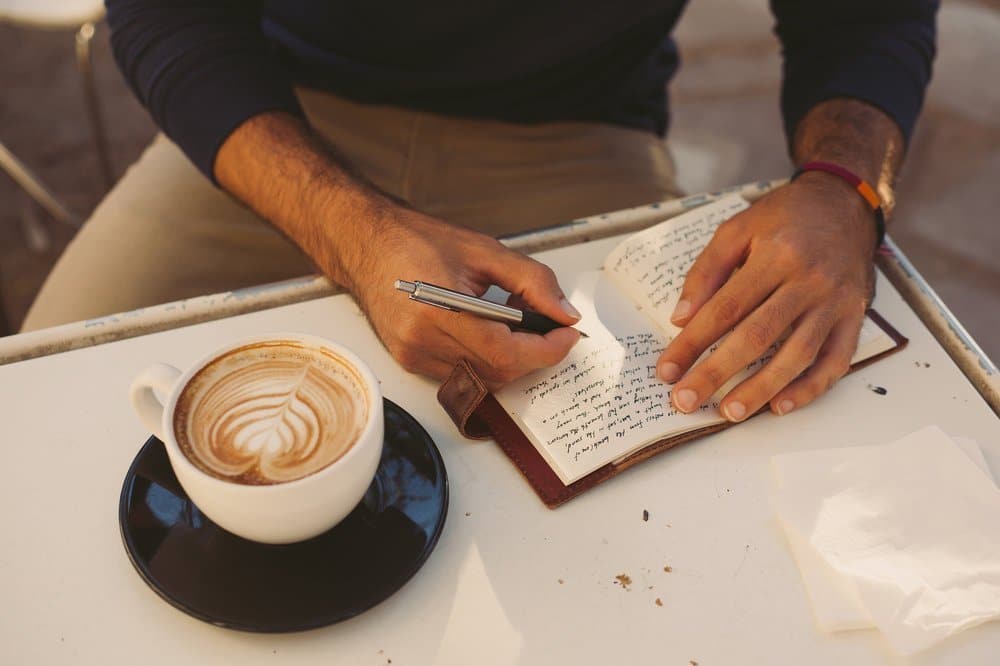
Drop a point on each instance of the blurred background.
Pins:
(726, 130)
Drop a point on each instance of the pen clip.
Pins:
(414, 297)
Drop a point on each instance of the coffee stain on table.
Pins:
(624, 580)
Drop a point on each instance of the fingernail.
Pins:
(735, 410)
(670, 372)
(681, 311)
(569, 309)
(785, 406)
(686, 400)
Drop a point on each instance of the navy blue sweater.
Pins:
(203, 67)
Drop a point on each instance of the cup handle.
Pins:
(160, 377)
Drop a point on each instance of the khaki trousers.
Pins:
(165, 232)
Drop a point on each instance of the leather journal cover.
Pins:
(478, 415)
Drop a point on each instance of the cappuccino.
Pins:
(271, 412)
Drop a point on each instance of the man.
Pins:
(392, 140)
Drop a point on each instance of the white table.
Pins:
(510, 581)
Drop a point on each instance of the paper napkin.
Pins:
(904, 537)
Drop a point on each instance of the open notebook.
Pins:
(603, 407)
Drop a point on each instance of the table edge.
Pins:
(903, 275)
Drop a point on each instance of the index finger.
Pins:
(744, 291)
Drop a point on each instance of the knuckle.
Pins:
(543, 272)
(788, 253)
(807, 341)
(713, 374)
(758, 335)
(812, 386)
(503, 362)
(824, 282)
(801, 349)
(777, 375)
(727, 311)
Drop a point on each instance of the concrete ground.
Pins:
(726, 130)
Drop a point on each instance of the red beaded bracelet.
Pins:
(863, 188)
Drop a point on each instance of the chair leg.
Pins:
(34, 187)
(36, 236)
(4, 322)
(84, 63)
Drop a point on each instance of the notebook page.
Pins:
(650, 266)
(603, 401)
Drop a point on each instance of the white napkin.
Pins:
(904, 536)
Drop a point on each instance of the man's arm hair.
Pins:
(276, 165)
(854, 135)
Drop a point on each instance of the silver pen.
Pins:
(431, 294)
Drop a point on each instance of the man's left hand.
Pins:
(796, 265)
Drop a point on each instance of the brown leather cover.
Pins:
(478, 415)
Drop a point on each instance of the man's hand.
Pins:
(798, 262)
(797, 266)
(362, 239)
(429, 340)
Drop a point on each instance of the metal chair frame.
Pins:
(24, 177)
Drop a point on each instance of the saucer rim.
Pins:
(406, 573)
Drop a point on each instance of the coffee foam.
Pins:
(271, 412)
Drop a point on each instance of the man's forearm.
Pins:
(804, 255)
(274, 164)
(364, 240)
(854, 135)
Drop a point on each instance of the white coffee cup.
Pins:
(280, 512)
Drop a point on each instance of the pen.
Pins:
(431, 294)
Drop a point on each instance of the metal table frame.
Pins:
(969, 357)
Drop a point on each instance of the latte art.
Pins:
(270, 413)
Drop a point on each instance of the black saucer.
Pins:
(228, 581)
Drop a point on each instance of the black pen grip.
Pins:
(537, 323)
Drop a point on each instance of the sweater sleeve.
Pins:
(201, 68)
(878, 52)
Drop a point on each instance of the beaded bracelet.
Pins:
(864, 189)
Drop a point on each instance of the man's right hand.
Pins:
(430, 341)
(364, 241)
